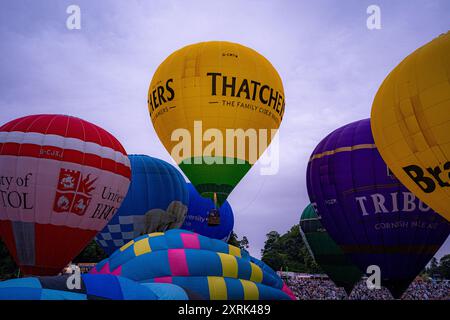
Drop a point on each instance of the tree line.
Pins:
(288, 252)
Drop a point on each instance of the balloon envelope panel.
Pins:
(161, 242)
(156, 200)
(63, 179)
(91, 287)
(326, 252)
(411, 123)
(180, 254)
(225, 288)
(212, 87)
(167, 291)
(196, 219)
(367, 211)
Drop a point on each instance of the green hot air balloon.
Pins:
(326, 252)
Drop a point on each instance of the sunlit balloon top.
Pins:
(411, 123)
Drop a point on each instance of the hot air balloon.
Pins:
(216, 107)
(411, 123)
(157, 200)
(199, 215)
(209, 268)
(90, 287)
(368, 212)
(61, 180)
(327, 254)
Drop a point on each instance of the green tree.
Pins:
(234, 241)
(444, 266)
(275, 260)
(92, 253)
(433, 269)
(272, 238)
(288, 252)
(8, 268)
(244, 244)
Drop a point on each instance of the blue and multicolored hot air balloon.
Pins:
(207, 268)
(90, 287)
(198, 214)
(368, 212)
(156, 201)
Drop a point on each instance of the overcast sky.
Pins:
(331, 65)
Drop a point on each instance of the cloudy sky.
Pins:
(331, 65)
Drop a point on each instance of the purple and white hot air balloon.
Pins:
(368, 212)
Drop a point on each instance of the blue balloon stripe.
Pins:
(103, 285)
(147, 266)
(99, 286)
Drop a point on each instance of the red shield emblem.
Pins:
(74, 192)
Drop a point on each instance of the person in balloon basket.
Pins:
(213, 218)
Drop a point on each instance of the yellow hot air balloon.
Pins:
(216, 107)
(411, 123)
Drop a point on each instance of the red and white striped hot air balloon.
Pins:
(61, 181)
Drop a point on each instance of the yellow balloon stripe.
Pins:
(217, 288)
(257, 274)
(234, 251)
(251, 291)
(155, 234)
(127, 245)
(229, 265)
(343, 149)
(141, 247)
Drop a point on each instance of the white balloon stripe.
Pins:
(64, 143)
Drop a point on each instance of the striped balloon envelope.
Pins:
(210, 268)
(374, 219)
(61, 180)
(89, 287)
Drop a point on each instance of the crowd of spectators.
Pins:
(428, 290)
(318, 287)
